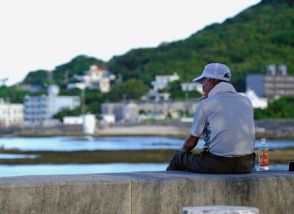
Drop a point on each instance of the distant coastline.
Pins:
(270, 129)
(264, 129)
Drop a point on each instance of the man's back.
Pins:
(229, 125)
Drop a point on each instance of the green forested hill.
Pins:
(260, 35)
(63, 73)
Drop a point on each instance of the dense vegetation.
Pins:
(16, 94)
(176, 93)
(282, 108)
(66, 112)
(64, 73)
(260, 35)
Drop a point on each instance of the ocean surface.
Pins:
(97, 143)
(108, 143)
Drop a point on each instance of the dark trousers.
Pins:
(206, 162)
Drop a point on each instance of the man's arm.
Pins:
(190, 143)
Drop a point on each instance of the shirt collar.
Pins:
(221, 88)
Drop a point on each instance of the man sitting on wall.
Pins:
(225, 119)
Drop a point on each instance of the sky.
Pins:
(42, 34)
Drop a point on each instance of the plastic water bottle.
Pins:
(263, 155)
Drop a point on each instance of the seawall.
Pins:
(145, 192)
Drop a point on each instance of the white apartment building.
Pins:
(192, 86)
(162, 81)
(40, 109)
(11, 114)
(95, 78)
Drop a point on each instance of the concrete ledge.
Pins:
(220, 210)
(145, 192)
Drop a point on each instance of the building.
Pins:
(134, 112)
(257, 102)
(95, 78)
(120, 112)
(153, 95)
(191, 86)
(274, 84)
(11, 114)
(40, 109)
(108, 119)
(162, 81)
(89, 124)
(73, 120)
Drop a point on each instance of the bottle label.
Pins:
(264, 157)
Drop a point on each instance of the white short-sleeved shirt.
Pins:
(226, 122)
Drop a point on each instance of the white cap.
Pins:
(215, 71)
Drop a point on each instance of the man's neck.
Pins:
(221, 88)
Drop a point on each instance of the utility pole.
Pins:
(49, 78)
(82, 87)
(82, 101)
(65, 80)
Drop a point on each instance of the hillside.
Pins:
(260, 35)
(62, 73)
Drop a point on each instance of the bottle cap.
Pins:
(291, 166)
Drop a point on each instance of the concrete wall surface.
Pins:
(145, 192)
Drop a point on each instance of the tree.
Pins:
(130, 89)
(38, 77)
(282, 108)
(64, 73)
(67, 112)
(176, 92)
(12, 94)
(134, 89)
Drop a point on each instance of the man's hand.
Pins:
(190, 143)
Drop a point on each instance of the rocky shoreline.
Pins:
(277, 156)
(275, 129)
